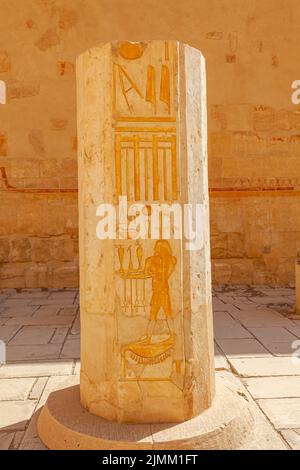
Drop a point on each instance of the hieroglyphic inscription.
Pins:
(146, 166)
(145, 155)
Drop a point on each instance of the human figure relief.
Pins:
(159, 267)
(153, 348)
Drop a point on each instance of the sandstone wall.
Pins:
(252, 53)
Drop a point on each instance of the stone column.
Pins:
(146, 320)
(146, 317)
(297, 309)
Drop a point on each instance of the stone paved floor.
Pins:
(255, 332)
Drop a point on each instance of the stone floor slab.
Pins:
(15, 389)
(3, 297)
(6, 439)
(59, 335)
(15, 414)
(30, 352)
(17, 312)
(47, 310)
(61, 301)
(242, 348)
(256, 319)
(292, 436)
(231, 309)
(63, 295)
(8, 332)
(77, 368)
(69, 310)
(280, 349)
(16, 302)
(224, 320)
(31, 440)
(38, 388)
(75, 330)
(71, 349)
(33, 335)
(17, 440)
(42, 320)
(244, 305)
(284, 413)
(264, 366)
(57, 383)
(269, 300)
(221, 362)
(37, 369)
(274, 387)
(294, 329)
(218, 305)
(30, 295)
(230, 331)
(273, 335)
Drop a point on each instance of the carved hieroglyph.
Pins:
(147, 341)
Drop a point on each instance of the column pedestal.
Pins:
(65, 425)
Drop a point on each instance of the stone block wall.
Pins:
(254, 156)
(251, 49)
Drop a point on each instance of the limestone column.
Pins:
(146, 317)
(145, 301)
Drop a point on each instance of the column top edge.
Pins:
(134, 49)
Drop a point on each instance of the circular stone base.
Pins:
(65, 425)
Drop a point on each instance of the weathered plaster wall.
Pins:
(252, 53)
